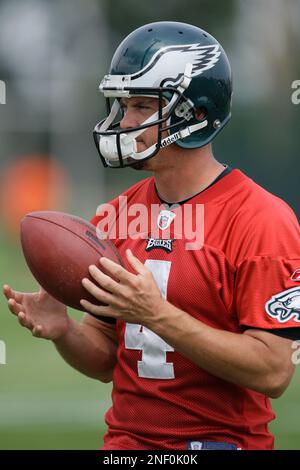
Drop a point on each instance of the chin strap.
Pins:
(171, 139)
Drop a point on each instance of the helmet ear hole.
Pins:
(200, 113)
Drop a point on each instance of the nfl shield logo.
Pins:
(165, 218)
(195, 445)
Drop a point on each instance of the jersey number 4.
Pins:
(154, 363)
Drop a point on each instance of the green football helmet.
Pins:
(186, 69)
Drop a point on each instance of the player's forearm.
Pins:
(237, 358)
(88, 351)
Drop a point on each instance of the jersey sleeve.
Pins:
(268, 292)
(267, 281)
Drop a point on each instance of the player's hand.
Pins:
(134, 299)
(44, 316)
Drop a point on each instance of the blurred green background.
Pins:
(52, 57)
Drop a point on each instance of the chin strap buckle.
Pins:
(184, 110)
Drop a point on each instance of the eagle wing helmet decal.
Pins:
(172, 60)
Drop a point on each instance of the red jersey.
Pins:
(242, 276)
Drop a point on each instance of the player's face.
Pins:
(136, 110)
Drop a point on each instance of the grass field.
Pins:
(44, 404)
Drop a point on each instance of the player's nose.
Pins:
(128, 120)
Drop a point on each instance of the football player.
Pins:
(200, 323)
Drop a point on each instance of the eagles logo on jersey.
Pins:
(285, 305)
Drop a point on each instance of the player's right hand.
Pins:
(43, 315)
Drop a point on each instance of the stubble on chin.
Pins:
(138, 166)
(151, 164)
(143, 165)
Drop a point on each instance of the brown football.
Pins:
(58, 249)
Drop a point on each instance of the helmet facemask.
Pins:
(117, 146)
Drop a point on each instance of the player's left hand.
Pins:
(135, 299)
